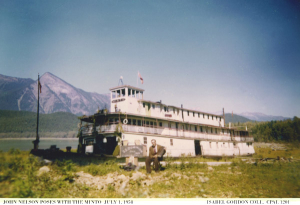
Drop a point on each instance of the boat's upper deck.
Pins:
(129, 99)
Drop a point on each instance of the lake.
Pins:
(27, 145)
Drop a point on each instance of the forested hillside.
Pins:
(24, 121)
(235, 118)
(286, 130)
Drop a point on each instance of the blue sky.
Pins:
(237, 54)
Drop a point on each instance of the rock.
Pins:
(137, 175)
(46, 161)
(210, 169)
(176, 175)
(203, 179)
(122, 189)
(122, 177)
(100, 186)
(85, 175)
(42, 170)
(199, 173)
(147, 182)
(109, 180)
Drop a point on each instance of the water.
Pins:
(27, 145)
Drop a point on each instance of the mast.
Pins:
(37, 140)
(224, 116)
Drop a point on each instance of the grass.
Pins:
(281, 179)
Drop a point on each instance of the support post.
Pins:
(37, 140)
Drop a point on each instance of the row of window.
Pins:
(166, 109)
(224, 144)
(160, 124)
(131, 93)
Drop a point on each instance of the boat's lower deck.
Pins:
(175, 147)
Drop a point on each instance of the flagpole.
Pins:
(37, 140)
(137, 80)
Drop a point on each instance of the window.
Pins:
(198, 115)
(186, 127)
(195, 128)
(153, 106)
(169, 124)
(173, 110)
(113, 94)
(144, 104)
(171, 142)
(149, 106)
(216, 130)
(207, 116)
(137, 94)
(201, 129)
(111, 121)
(133, 93)
(134, 122)
(155, 124)
(141, 94)
(123, 92)
(165, 109)
(147, 123)
(160, 124)
(212, 117)
(116, 120)
(203, 116)
(193, 114)
(151, 124)
(129, 92)
(118, 93)
(129, 122)
(188, 113)
(139, 122)
(145, 140)
(211, 131)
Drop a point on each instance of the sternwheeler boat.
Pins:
(132, 122)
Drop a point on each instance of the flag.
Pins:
(142, 81)
(40, 86)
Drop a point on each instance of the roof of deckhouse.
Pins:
(126, 86)
(197, 111)
(101, 116)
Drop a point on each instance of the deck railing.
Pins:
(167, 132)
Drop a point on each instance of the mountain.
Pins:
(10, 91)
(256, 116)
(56, 96)
(235, 118)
